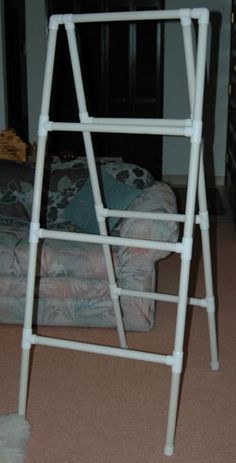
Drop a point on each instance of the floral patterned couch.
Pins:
(71, 286)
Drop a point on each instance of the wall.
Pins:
(175, 150)
(36, 37)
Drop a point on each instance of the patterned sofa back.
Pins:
(62, 183)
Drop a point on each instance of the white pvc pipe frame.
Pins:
(191, 128)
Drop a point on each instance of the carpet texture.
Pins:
(85, 408)
(14, 435)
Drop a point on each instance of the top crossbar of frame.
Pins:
(184, 14)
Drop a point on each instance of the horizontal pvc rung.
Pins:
(126, 16)
(110, 240)
(118, 128)
(195, 13)
(102, 350)
(159, 296)
(141, 121)
(145, 215)
(142, 215)
(66, 19)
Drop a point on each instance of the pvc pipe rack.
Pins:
(190, 127)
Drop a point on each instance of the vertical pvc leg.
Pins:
(186, 257)
(172, 413)
(26, 346)
(178, 358)
(31, 275)
(23, 388)
(213, 338)
(106, 247)
(33, 239)
(195, 171)
(204, 225)
(182, 304)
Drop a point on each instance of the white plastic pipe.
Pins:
(103, 350)
(163, 216)
(204, 216)
(111, 240)
(185, 131)
(189, 58)
(160, 297)
(140, 121)
(125, 16)
(188, 226)
(197, 13)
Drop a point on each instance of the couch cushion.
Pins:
(62, 182)
(16, 181)
(117, 195)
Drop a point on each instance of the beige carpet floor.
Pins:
(85, 408)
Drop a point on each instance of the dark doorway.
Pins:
(122, 70)
(16, 67)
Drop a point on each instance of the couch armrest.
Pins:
(157, 198)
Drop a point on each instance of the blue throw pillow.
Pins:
(117, 195)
